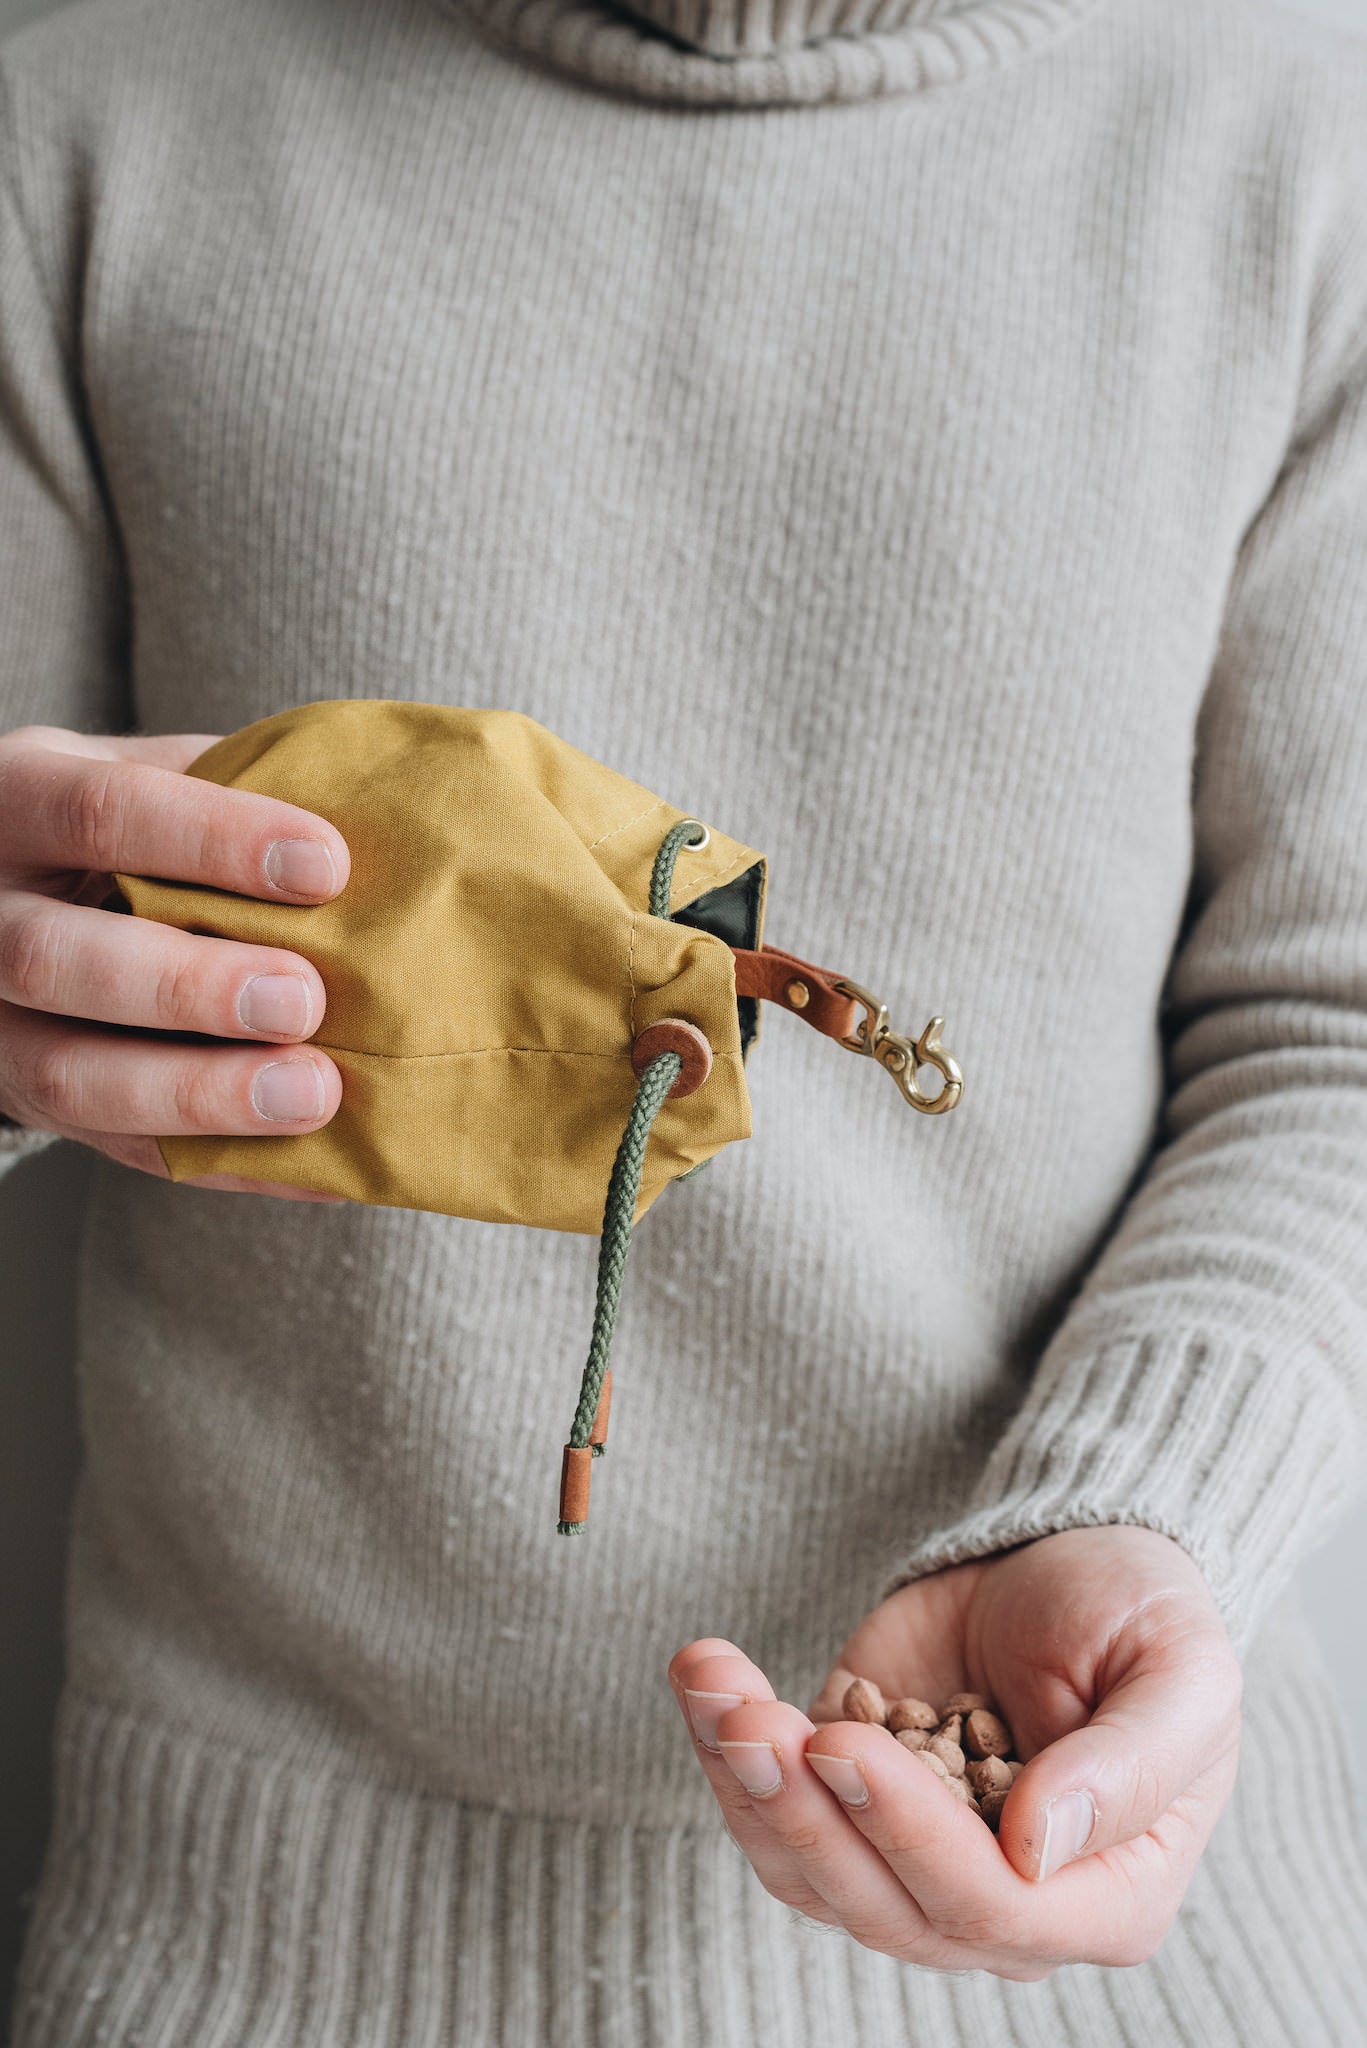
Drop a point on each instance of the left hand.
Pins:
(1105, 1653)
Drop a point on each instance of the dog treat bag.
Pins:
(543, 984)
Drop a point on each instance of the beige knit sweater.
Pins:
(919, 434)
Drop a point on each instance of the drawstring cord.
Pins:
(589, 1428)
(688, 832)
(623, 1189)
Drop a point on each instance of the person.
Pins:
(930, 442)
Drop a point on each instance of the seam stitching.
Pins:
(631, 978)
(715, 881)
(658, 805)
(475, 1052)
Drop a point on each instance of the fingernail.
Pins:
(844, 1777)
(301, 867)
(1069, 1822)
(280, 1005)
(705, 1709)
(755, 1764)
(288, 1091)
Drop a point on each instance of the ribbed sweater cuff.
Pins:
(1233, 1452)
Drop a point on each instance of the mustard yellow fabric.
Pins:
(487, 966)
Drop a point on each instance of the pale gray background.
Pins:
(39, 1224)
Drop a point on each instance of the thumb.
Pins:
(1154, 1735)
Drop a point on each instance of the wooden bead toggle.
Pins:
(674, 1034)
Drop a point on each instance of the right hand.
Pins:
(73, 811)
(1106, 1653)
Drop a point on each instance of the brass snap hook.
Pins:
(872, 1025)
(901, 1056)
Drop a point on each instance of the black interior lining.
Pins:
(731, 913)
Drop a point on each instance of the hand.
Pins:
(73, 811)
(1105, 1653)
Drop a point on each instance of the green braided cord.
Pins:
(623, 1189)
(662, 874)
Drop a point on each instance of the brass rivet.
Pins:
(798, 994)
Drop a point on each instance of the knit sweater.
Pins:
(929, 439)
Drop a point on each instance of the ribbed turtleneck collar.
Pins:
(773, 52)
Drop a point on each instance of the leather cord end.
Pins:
(575, 1474)
(598, 1435)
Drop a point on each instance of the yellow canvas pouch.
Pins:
(542, 983)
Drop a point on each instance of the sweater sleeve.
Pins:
(1209, 1379)
(62, 587)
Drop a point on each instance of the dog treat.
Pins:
(990, 1775)
(949, 1753)
(912, 1713)
(986, 1734)
(864, 1702)
(965, 1743)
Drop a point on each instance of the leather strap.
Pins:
(798, 986)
